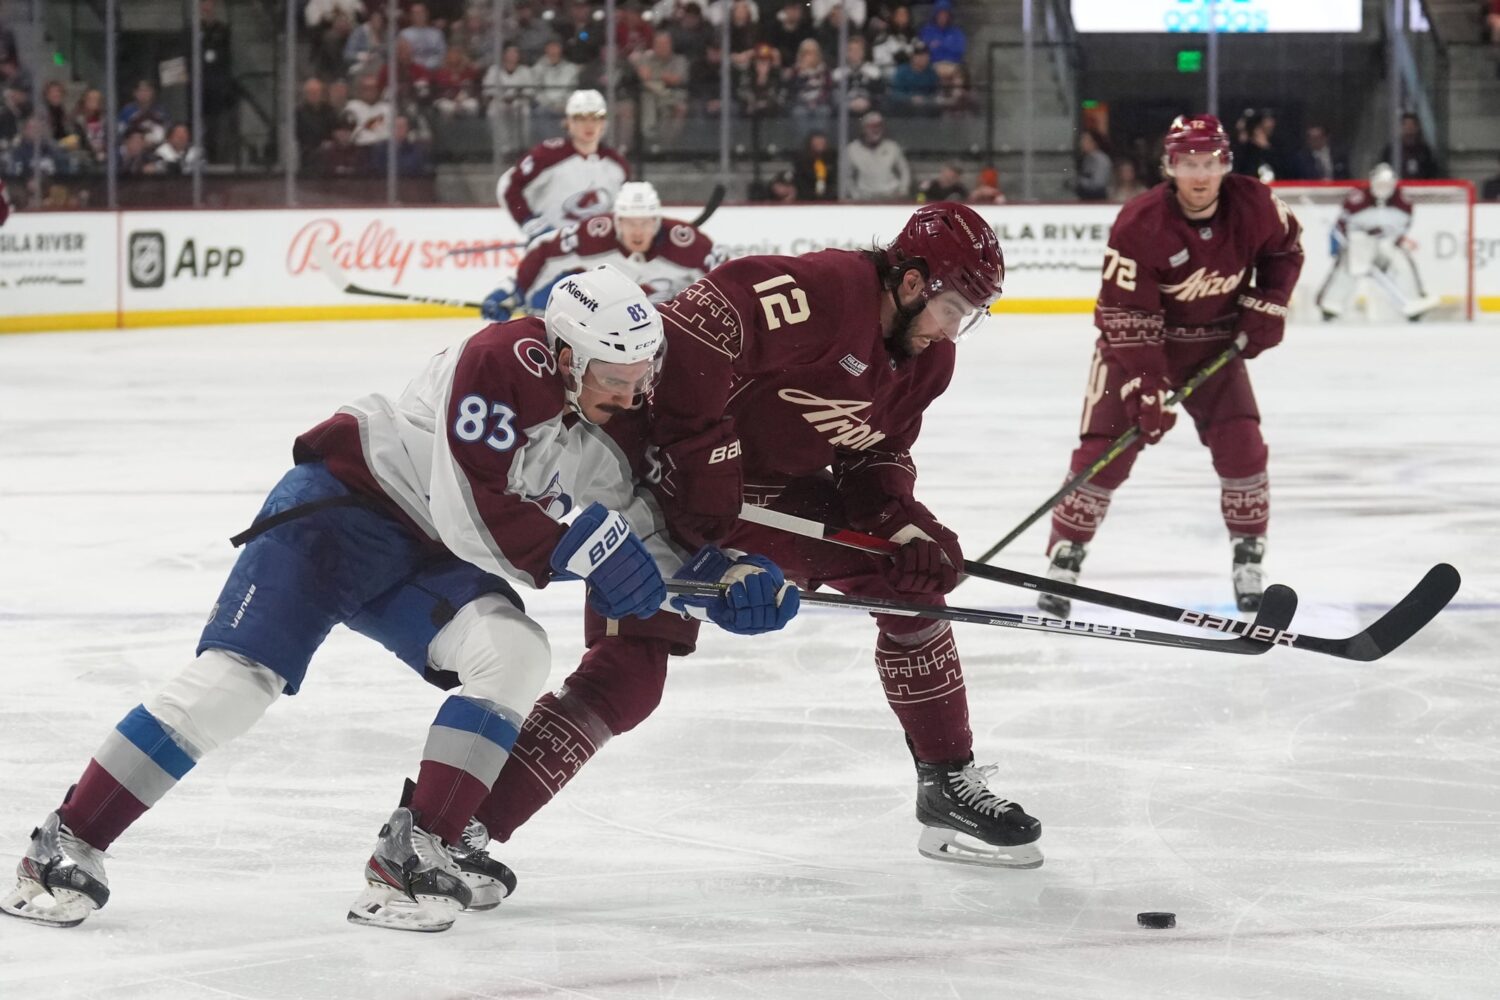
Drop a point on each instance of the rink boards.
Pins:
(81, 270)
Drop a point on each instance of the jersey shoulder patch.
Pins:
(682, 235)
(600, 226)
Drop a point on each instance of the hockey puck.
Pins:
(1156, 919)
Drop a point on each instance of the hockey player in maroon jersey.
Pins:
(403, 518)
(1371, 242)
(1198, 259)
(800, 383)
(566, 180)
(4, 203)
(661, 255)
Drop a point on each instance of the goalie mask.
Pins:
(959, 257)
(615, 334)
(1383, 182)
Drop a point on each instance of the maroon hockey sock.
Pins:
(98, 809)
(924, 683)
(466, 749)
(1246, 504)
(1078, 515)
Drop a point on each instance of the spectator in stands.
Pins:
(33, 153)
(8, 50)
(788, 30)
(472, 34)
(88, 125)
(857, 11)
(315, 120)
(703, 82)
(815, 169)
(369, 113)
(1257, 156)
(945, 40)
(878, 170)
(15, 108)
(531, 33)
(145, 115)
(954, 98)
(338, 96)
(414, 87)
(455, 86)
(891, 41)
(1317, 161)
(914, 85)
(691, 35)
(826, 29)
(1126, 182)
(53, 111)
(364, 50)
(810, 87)
(633, 33)
(319, 15)
(556, 78)
(428, 46)
(13, 74)
(220, 94)
(865, 79)
(781, 188)
(176, 155)
(583, 35)
(1492, 22)
(508, 88)
(663, 75)
(987, 190)
(1490, 189)
(413, 153)
(1417, 161)
(1094, 168)
(341, 157)
(760, 90)
(330, 51)
(744, 32)
(946, 186)
(135, 153)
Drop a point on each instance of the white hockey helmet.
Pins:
(614, 331)
(637, 200)
(586, 103)
(1383, 182)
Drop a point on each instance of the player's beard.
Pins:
(898, 341)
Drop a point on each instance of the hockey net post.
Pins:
(1442, 234)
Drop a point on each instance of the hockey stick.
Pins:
(1276, 610)
(715, 198)
(323, 257)
(1118, 446)
(1408, 617)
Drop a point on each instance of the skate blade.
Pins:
(956, 848)
(487, 892)
(59, 908)
(382, 906)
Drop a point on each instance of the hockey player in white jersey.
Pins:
(565, 180)
(406, 518)
(661, 255)
(1371, 242)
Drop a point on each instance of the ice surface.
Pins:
(1321, 828)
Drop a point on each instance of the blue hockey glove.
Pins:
(622, 577)
(757, 599)
(499, 304)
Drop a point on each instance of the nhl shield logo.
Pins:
(147, 255)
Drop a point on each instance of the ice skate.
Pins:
(61, 879)
(964, 822)
(414, 885)
(1249, 575)
(1414, 309)
(489, 881)
(1067, 561)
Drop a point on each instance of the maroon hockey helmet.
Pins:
(1197, 134)
(955, 249)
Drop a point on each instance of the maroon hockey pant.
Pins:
(620, 681)
(1224, 412)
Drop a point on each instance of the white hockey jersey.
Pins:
(481, 455)
(679, 256)
(560, 185)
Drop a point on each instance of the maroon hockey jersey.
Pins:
(792, 349)
(1171, 279)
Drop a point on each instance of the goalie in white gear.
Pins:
(1371, 243)
(661, 255)
(404, 518)
(565, 180)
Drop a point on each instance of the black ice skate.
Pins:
(61, 879)
(1249, 575)
(963, 821)
(1067, 561)
(414, 884)
(488, 880)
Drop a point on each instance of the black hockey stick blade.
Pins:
(1410, 615)
(715, 198)
(1276, 610)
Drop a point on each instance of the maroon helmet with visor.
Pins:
(956, 251)
(1197, 134)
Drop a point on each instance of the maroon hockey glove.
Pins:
(1262, 320)
(702, 483)
(1144, 398)
(930, 558)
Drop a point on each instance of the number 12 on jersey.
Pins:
(779, 308)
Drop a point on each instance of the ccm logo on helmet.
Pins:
(571, 287)
(724, 453)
